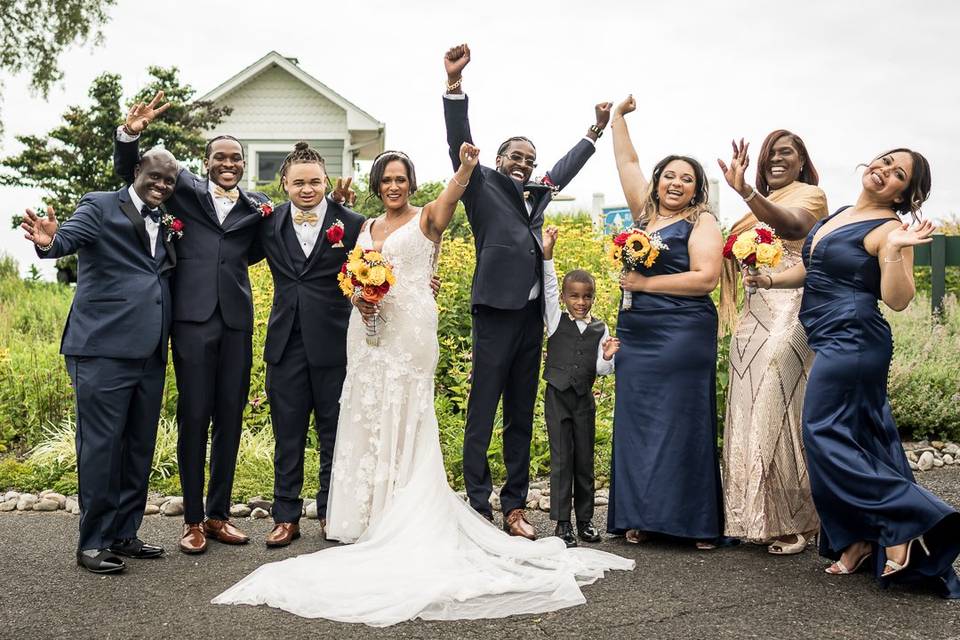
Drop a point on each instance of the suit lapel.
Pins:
(322, 244)
(170, 260)
(280, 217)
(200, 185)
(240, 211)
(129, 210)
(514, 187)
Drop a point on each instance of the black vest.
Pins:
(572, 356)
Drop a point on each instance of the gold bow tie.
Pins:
(299, 217)
(230, 195)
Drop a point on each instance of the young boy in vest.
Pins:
(579, 348)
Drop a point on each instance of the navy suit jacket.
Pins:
(122, 306)
(306, 288)
(212, 258)
(508, 242)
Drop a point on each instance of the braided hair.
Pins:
(506, 144)
(302, 154)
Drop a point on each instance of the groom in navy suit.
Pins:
(115, 346)
(505, 211)
(212, 322)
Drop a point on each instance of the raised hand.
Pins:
(610, 346)
(905, 236)
(602, 111)
(549, 241)
(734, 174)
(141, 115)
(628, 105)
(455, 60)
(469, 155)
(40, 230)
(342, 193)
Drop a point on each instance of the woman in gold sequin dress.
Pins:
(766, 488)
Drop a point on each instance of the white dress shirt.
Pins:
(307, 234)
(153, 228)
(223, 205)
(551, 316)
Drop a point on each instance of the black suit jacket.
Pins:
(212, 259)
(122, 306)
(305, 290)
(509, 243)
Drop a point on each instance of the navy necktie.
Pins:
(153, 214)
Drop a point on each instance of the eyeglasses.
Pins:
(520, 159)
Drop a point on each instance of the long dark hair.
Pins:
(701, 192)
(808, 173)
(918, 189)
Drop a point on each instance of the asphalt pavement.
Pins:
(674, 592)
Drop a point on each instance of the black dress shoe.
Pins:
(588, 533)
(100, 561)
(136, 548)
(565, 532)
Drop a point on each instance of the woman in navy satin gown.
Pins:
(872, 511)
(665, 474)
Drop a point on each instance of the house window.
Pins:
(268, 165)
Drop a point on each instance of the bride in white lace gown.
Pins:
(421, 551)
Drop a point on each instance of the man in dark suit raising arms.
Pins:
(212, 321)
(115, 345)
(505, 211)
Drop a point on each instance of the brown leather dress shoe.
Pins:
(283, 534)
(192, 540)
(516, 524)
(224, 531)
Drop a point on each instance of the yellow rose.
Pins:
(377, 276)
(353, 265)
(768, 255)
(391, 280)
(355, 254)
(745, 245)
(373, 256)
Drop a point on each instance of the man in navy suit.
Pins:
(212, 322)
(306, 243)
(505, 211)
(115, 346)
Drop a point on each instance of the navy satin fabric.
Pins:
(861, 482)
(665, 473)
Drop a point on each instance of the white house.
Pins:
(276, 103)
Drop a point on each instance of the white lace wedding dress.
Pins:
(421, 551)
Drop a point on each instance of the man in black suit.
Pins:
(212, 321)
(115, 346)
(306, 243)
(505, 211)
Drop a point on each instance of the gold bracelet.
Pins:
(455, 85)
(462, 186)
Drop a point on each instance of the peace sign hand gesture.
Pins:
(141, 115)
(734, 174)
(342, 193)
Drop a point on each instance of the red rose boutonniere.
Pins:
(173, 225)
(335, 234)
(541, 182)
(265, 208)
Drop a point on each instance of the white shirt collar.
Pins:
(211, 186)
(136, 200)
(320, 210)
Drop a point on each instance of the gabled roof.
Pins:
(357, 118)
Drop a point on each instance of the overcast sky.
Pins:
(853, 78)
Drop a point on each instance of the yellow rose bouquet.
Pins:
(367, 274)
(756, 248)
(632, 250)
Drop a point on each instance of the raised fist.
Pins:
(455, 60)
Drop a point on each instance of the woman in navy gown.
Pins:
(665, 474)
(872, 511)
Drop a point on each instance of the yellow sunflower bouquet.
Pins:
(633, 250)
(366, 273)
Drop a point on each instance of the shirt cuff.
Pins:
(123, 136)
(590, 140)
(455, 96)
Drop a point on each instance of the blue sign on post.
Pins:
(616, 219)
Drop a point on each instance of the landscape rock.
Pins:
(26, 501)
(534, 494)
(937, 462)
(76, 509)
(913, 465)
(495, 502)
(157, 500)
(601, 501)
(912, 456)
(239, 511)
(172, 507)
(310, 510)
(948, 459)
(937, 444)
(545, 503)
(259, 513)
(151, 510)
(59, 498)
(539, 485)
(46, 504)
(11, 495)
(258, 502)
(8, 505)
(71, 504)
(925, 463)
(952, 448)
